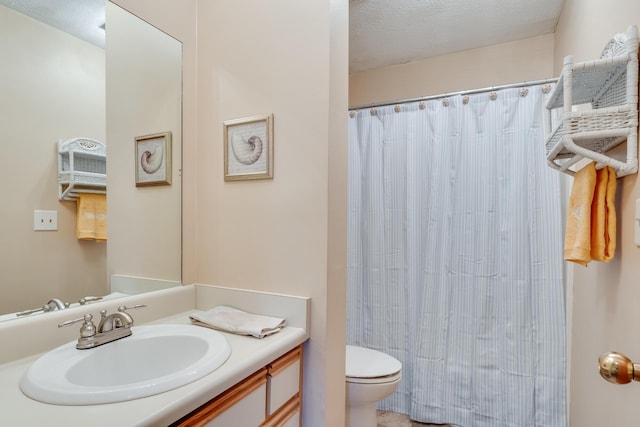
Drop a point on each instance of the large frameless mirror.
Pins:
(56, 86)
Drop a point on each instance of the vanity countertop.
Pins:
(248, 354)
(23, 341)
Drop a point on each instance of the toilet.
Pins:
(370, 377)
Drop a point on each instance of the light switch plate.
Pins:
(45, 220)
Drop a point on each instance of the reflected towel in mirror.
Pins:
(91, 221)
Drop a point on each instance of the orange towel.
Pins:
(603, 216)
(577, 240)
(91, 220)
(591, 220)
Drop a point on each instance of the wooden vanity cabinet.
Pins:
(284, 390)
(270, 397)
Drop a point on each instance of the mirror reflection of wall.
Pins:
(52, 87)
(144, 80)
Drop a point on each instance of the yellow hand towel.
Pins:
(577, 241)
(91, 221)
(603, 216)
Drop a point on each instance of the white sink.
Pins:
(154, 359)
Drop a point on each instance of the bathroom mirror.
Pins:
(57, 87)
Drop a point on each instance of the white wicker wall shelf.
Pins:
(82, 168)
(610, 86)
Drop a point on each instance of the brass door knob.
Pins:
(618, 368)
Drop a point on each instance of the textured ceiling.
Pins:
(391, 32)
(381, 32)
(80, 18)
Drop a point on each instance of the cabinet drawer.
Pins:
(287, 415)
(294, 421)
(245, 413)
(283, 380)
(241, 406)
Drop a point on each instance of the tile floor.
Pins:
(392, 419)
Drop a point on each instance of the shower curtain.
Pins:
(455, 258)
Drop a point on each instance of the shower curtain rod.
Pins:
(464, 92)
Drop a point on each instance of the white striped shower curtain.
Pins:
(455, 258)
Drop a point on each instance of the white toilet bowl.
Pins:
(370, 377)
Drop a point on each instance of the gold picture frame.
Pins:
(248, 148)
(153, 159)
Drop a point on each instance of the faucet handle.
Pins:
(86, 300)
(27, 312)
(123, 308)
(88, 329)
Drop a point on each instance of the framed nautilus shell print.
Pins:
(248, 148)
(153, 159)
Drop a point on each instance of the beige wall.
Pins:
(513, 62)
(52, 87)
(286, 58)
(335, 316)
(605, 312)
(286, 235)
(144, 85)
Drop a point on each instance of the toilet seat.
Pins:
(376, 380)
(367, 366)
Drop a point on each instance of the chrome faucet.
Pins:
(121, 319)
(52, 305)
(56, 304)
(111, 327)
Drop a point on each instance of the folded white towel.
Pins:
(238, 322)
